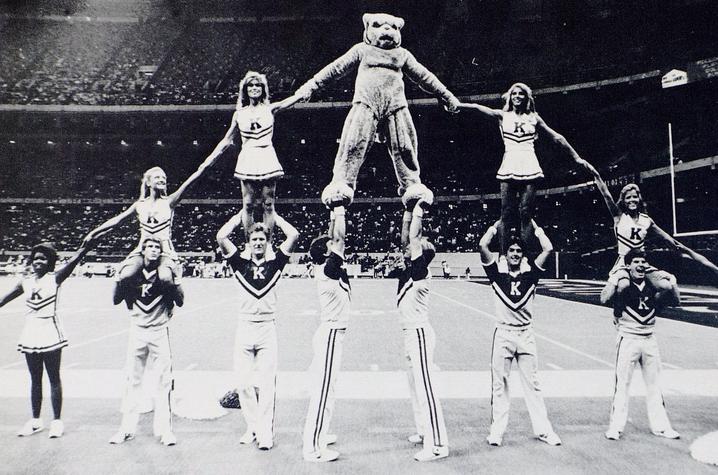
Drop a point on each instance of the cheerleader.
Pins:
(520, 170)
(155, 211)
(42, 338)
(257, 165)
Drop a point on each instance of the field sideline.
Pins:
(373, 414)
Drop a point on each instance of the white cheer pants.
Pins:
(255, 366)
(521, 346)
(148, 344)
(419, 344)
(631, 351)
(327, 343)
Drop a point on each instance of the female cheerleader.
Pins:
(257, 165)
(155, 211)
(632, 225)
(520, 170)
(42, 338)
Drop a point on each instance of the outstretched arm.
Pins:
(334, 70)
(561, 141)
(108, 225)
(487, 111)
(691, 254)
(607, 198)
(65, 271)
(175, 197)
(338, 229)
(14, 293)
(289, 231)
(428, 81)
(225, 244)
(226, 142)
(545, 242)
(284, 104)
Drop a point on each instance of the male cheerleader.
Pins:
(514, 288)
(255, 344)
(419, 337)
(327, 254)
(638, 302)
(151, 310)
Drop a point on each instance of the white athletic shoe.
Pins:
(612, 434)
(247, 438)
(57, 428)
(168, 439)
(33, 426)
(432, 453)
(328, 439)
(551, 438)
(265, 444)
(416, 439)
(323, 455)
(494, 440)
(668, 434)
(121, 437)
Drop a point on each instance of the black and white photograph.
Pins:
(482, 239)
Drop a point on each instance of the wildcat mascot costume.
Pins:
(379, 104)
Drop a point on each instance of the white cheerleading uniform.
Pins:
(514, 339)
(630, 234)
(155, 218)
(519, 134)
(334, 300)
(419, 345)
(257, 160)
(636, 345)
(149, 341)
(43, 330)
(255, 344)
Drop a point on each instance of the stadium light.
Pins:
(50, 142)
(123, 143)
(195, 142)
(302, 141)
(159, 143)
(12, 141)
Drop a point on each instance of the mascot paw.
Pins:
(337, 193)
(415, 193)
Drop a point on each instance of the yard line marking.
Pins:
(672, 366)
(538, 335)
(553, 366)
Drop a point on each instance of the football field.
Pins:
(576, 345)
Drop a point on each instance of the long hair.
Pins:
(530, 103)
(621, 203)
(243, 97)
(48, 250)
(145, 184)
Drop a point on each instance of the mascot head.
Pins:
(382, 30)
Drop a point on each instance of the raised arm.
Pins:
(338, 229)
(175, 197)
(108, 225)
(485, 241)
(65, 271)
(544, 242)
(415, 229)
(607, 198)
(289, 231)
(487, 111)
(405, 223)
(14, 293)
(225, 244)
